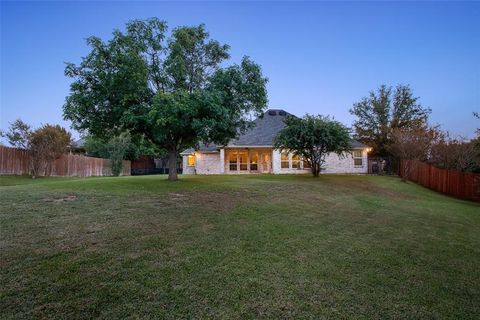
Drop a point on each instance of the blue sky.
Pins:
(320, 57)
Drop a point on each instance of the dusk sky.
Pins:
(319, 57)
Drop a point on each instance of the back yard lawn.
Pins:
(236, 247)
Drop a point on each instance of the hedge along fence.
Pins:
(463, 185)
(17, 161)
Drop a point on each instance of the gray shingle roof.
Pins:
(211, 148)
(357, 145)
(263, 133)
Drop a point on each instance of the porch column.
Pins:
(222, 161)
(276, 162)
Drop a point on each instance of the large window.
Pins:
(357, 158)
(296, 161)
(191, 161)
(254, 161)
(285, 163)
(242, 157)
(232, 159)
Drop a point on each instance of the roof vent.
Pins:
(282, 113)
(272, 112)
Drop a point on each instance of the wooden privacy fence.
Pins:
(17, 161)
(463, 185)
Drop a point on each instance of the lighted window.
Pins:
(357, 158)
(242, 157)
(284, 160)
(232, 159)
(296, 161)
(191, 161)
(306, 164)
(254, 161)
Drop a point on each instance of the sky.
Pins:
(319, 57)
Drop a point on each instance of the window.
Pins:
(306, 165)
(254, 161)
(232, 160)
(191, 161)
(296, 161)
(357, 158)
(242, 157)
(284, 160)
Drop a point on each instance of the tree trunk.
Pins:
(172, 165)
(315, 169)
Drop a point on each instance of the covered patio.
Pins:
(248, 160)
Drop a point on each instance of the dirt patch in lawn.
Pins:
(213, 201)
(190, 201)
(363, 186)
(62, 199)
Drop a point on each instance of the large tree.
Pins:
(172, 89)
(383, 111)
(313, 138)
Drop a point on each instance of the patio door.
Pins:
(265, 163)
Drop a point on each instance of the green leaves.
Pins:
(18, 134)
(313, 138)
(192, 58)
(380, 113)
(171, 90)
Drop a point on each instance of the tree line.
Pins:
(396, 126)
(148, 91)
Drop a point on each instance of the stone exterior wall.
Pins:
(334, 164)
(186, 168)
(277, 165)
(207, 163)
(211, 163)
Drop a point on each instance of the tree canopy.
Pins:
(382, 112)
(313, 138)
(44, 144)
(172, 89)
(18, 134)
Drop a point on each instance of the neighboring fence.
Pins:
(16, 161)
(464, 185)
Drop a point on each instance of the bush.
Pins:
(117, 148)
(48, 143)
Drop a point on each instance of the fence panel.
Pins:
(463, 185)
(16, 161)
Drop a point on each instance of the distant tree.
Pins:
(412, 143)
(95, 147)
(18, 134)
(116, 150)
(313, 138)
(455, 153)
(173, 90)
(477, 115)
(383, 111)
(47, 143)
(138, 146)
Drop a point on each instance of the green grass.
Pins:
(236, 247)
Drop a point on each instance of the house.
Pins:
(253, 152)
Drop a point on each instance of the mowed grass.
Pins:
(236, 247)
